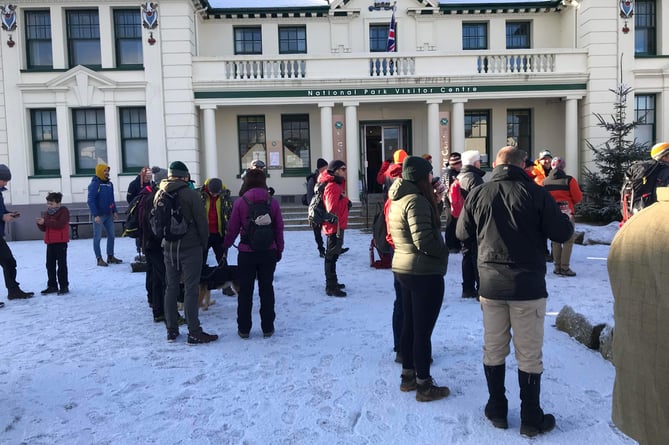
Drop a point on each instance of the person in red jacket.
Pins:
(566, 192)
(391, 169)
(337, 203)
(55, 225)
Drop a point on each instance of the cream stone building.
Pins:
(219, 83)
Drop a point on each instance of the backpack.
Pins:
(317, 214)
(305, 197)
(380, 242)
(133, 221)
(639, 184)
(259, 226)
(455, 198)
(167, 220)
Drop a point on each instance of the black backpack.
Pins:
(317, 214)
(259, 226)
(167, 221)
(133, 221)
(638, 191)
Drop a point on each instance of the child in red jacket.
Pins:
(55, 225)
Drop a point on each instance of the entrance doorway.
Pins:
(380, 140)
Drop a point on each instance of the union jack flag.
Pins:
(390, 46)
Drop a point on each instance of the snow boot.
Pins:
(428, 391)
(408, 382)
(15, 293)
(533, 421)
(497, 407)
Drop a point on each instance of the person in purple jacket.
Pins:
(255, 263)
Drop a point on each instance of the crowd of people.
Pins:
(500, 225)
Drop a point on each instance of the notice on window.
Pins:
(274, 159)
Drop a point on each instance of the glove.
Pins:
(278, 256)
(350, 204)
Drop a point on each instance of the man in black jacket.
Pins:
(511, 217)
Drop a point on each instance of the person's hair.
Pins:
(54, 197)
(511, 155)
(425, 187)
(254, 178)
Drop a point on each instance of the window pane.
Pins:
(251, 138)
(474, 36)
(644, 27)
(519, 129)
(128, 30)
(38, 39)
(292, 40)
(644, 112)
(45, 141)
(296, 144)
(517, 35)
(83, 35)
(134, 142)
(477, 134)
(378, 37)
(248, 40)
(89, 138)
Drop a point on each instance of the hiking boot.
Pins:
(557, 271)
(568, 272)
(49, 290)
(267, 334)
(172, 335)
(428, 391)
(243, 335)
(201, 337)
(101, 262)
(341, 285)
(408, 382)
(16, 293)
(343, 250)
(334, 292)
(64, 290)
(111, 259)
(158, 318)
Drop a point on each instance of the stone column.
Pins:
(327, 149)
(571, 136)
(210, 149)
(458, 125)
(433, 131)
(352, 151)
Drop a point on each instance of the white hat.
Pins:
(470, 157)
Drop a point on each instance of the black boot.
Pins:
(533, 421)
(15, 293)
(332, 288)
(497, 407)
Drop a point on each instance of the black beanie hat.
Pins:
(321, 163)
(215, 185)
(5, 174)
(415, 168)
(178, 169)
(334, 165)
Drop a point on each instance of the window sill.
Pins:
(44, 176)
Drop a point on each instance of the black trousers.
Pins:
(332, 251)
(452, 242)
(470, 273)
(398, 315)
(56, 265)
(422, 296)
(318, 236)
(216, 243)
(8, 263)
(252, 265)
(155, 262)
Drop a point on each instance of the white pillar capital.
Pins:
(326, 104)
(459, 100)
(351, 104)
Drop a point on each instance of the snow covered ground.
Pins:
(92, 367)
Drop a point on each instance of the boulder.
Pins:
(606, 342)
(578, 327)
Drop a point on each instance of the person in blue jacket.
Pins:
(103, 212)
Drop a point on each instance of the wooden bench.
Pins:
(81, 216)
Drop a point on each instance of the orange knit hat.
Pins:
(399, 155)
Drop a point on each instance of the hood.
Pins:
(172, 185)
(257, 194)
(394, 171)
(402, 188)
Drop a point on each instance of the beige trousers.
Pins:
(526, 319)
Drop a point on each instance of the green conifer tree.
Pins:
(601, 186)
